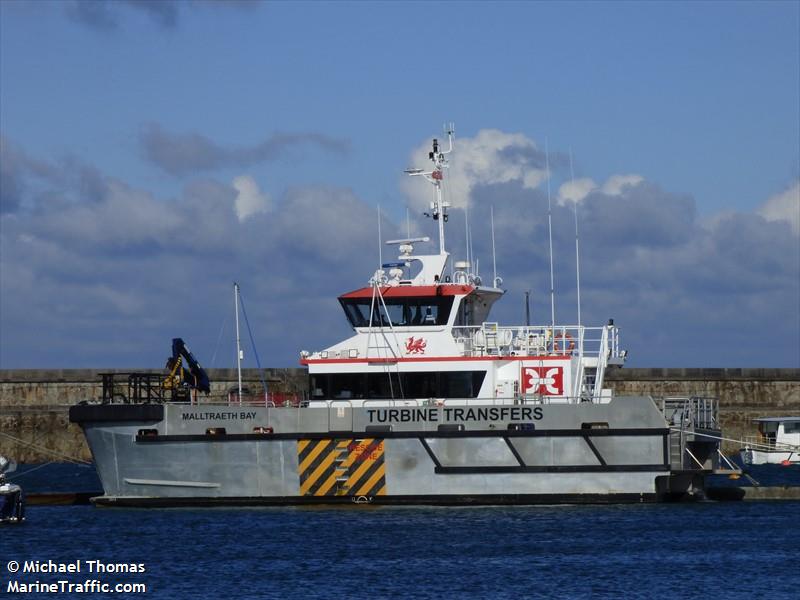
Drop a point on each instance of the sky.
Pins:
(151, 153)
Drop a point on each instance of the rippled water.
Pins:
(62, 477)
(719, 550)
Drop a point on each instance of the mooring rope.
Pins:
(782, 447)
(44, 450)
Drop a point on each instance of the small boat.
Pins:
(12, 499)
(777, 442)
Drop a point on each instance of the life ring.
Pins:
(563, 337)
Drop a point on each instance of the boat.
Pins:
(12, 498)
(428, 402)
(777, 442)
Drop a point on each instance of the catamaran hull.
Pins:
(181, 455)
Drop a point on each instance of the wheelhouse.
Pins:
(418, 306)
(403, 306)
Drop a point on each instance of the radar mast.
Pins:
(435, 176)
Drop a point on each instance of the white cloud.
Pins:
(575, 191)
(616, 184)
(130, 264)
(784, 206)
(491, 157)
(250, 199)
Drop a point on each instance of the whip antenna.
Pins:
(577, 248)
(494, 255)
(550, 236)
(380, 241)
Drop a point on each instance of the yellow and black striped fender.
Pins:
(341, 467)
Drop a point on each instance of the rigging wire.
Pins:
(253, 343)
(397, 353)
(41, 466)
(44, 450)
(219, 340)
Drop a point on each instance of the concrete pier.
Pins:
(34, 403)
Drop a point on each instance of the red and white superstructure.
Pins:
(422, 333)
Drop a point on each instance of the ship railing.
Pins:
(768, 444)
(480, 401)
(270, 399)
(491, 339)
(691, 412)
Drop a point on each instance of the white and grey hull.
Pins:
(179, 454)
(752, 456)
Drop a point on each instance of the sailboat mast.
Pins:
(238, 342)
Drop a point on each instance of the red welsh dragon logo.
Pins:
(414, 346)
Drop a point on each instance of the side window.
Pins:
(319, 386)
(463, 316)
(791, 427)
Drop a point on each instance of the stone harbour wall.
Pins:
(744, 394)
(34, 404)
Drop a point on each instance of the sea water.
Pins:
(700, 550)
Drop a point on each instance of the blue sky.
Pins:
(125, 126)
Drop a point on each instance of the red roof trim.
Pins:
(413, 291)
(328, 361)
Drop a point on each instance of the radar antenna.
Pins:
(435, 177)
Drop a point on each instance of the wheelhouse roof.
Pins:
(412, 291)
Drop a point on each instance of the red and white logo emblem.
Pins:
(547, 381)
(415, 346)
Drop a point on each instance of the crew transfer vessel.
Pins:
(428, 402)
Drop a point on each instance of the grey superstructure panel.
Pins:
(536, 452)
(630, 450)
(472, 452)
(573, 451)
(186, 469)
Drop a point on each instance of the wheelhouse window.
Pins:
(398, 312)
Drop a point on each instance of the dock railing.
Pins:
(768, 444)
(693, 412)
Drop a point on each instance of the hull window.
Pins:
(349, 386)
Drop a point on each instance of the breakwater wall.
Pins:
(34, 424)
(744, 394)
(34, 404)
